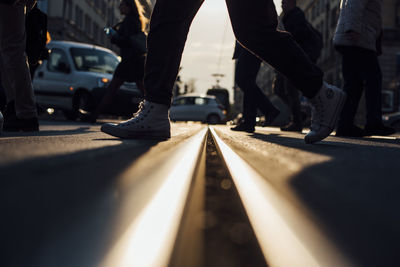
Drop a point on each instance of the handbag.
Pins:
(138, 42)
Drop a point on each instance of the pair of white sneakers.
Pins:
(152, 119)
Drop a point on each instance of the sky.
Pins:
(209, 47)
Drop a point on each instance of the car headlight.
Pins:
(103, 82)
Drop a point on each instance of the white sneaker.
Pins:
(151, 121)
(326, 107)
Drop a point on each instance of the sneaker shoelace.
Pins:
(139, 114)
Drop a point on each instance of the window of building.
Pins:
(79, 17)
(103, 8)
(88, 25)
(96, 30)
(68, 9)
(397, 10)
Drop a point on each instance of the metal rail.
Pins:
(150, 239)
(286, 235)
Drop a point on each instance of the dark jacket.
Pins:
(7, 1)
(295, 22)
(131, 25)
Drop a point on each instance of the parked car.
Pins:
(193, 107)
(75, 78)
(392, 120)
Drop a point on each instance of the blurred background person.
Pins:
(358, 39)
(20, 113)
(129, 36)
(254, 99)
(310, 40)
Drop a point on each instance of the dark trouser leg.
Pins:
(289, 95)
(353, 84)
(247, 69)
(255, 28)
(107, 99)
(373, 88)
(294, 102)
(169, 27)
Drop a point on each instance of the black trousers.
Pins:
(361, 70)
(289, 95)
(254, 25)
(246, 72)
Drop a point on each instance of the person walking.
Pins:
(255, 27)
(254, 99)
(20, 113)
(310, 40)
(131, 67)
(358, 40)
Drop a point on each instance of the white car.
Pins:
(75, 78)
(194, 107)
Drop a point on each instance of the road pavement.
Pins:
(69, 173)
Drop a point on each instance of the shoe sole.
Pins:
(150, 135)
(335, 118)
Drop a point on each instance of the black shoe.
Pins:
(293, 127)
(15, 124)
(243, 128)
(352, 131)
(378, 130)
(270, 117)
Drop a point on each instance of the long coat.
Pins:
(360, 16)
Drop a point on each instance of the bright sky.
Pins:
(210, 41)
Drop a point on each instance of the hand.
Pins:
(353, 36)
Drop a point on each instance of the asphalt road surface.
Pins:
(54, 179)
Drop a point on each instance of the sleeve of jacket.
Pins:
(128, 28)
(354, 10)
(295, 22)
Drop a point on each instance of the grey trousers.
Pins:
(14, 67)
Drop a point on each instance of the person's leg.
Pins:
(373, 88)
(18, 86)
(373, 95)
(246, 70)
(293, 101)
(107, 99)
(255, 28)
(169, 26)
(246, 74)
(352, 61)
(170, 23)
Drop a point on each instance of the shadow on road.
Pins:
(355, 194)
(42, 198)
(80, 130)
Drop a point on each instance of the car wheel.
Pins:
(213, 119)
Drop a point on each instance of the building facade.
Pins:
(84, 20)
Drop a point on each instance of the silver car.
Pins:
(194, 107)
(75, 78)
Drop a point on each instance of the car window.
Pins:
(94, 60)
(179, 102)
(211, 101)
(184, 101)
(57, 58)
(200, 101)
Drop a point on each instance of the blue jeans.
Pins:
(254, 25)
